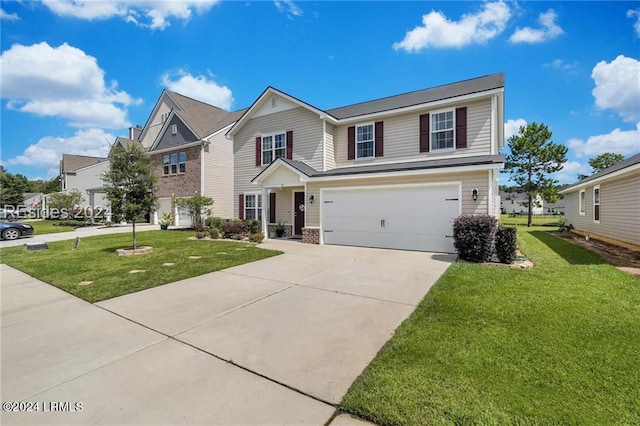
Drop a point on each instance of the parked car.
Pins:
(4, 214)
(15, 230)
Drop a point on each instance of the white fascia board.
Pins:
(601, 179)
(217, 132)
(434, 104)
(176, 148)
(440, 170)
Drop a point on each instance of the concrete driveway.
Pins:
(278, 341)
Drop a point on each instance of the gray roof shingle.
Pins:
(633, 160)
(475, 85)
(71, 162)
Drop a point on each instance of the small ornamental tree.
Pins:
(197, 207)
(532, 158)
(130, 185)
(65, 202)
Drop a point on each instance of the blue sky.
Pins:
(76, 74)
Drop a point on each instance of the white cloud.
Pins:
(48, 151)
(636, 25)
(8, 16)
(288, 7)
(154, 14)
(549, 30)
(199, 87)
(439, 32)
(559, 64)
(512, 127)
(623, 142)
(571, 170)
(618, 87)
(61, 82)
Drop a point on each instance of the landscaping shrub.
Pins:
(506, 244)
(256, 237)
(214, 222)
(73, 223)
(473, 236)
(234, 229)
(254, 226)
(214, 233)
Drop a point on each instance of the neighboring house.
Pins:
(554, 208)
(517, 203)
(390, 173)
(606, 205)
(185, 139)
(85, 173)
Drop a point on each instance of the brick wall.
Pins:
(185, 184)
(311, 235)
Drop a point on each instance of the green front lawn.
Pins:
(95, 260)
(536, 220)
(42, 227)
(556, 344)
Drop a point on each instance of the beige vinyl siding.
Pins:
(281, 177)
(155, 126)
(330, 141)
(284, 202)
(218, 175)
(402, 137)
(307, 144)
(619, 210)
(470, 180)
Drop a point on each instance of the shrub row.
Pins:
(476, 236)
(235, 229)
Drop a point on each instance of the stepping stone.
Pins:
(240, 249)
(168, 264)
(195, 257)
(222, 252)
(85, 282)
(137, 271)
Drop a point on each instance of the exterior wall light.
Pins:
(474, 194)
(311, 198)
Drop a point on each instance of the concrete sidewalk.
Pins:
(277, 341)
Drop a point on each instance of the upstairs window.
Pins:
(364, 141)
(273, 146)
(174, 163)
(442, 127)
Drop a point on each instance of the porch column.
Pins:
(265, 206)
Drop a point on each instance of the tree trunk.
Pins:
(135, 245)
(530, 211)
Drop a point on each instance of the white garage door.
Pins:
(409, 218)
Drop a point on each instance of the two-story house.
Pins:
(185, 139)
(84, 173)
(390, 173)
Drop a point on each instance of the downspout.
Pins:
(324, 143)
(202, 167)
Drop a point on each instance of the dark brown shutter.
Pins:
(272, 207)
(241, 206)
(351, 143)
(424, 133)
(258, 151)
(290, 145)
(379, 138)
(461, 127)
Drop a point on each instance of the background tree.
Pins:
(65, 202)
(532, 158)
(602, 161)
(130, 185)
(12, 188)
(197, 207)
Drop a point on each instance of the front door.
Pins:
(298, 212)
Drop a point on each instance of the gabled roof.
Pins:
(633, 161)
(466, 87)
(71, 162)
(262, 98)
(202, 118)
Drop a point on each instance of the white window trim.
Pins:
(599, 203)
(581, 204)
(273, 146)
(431, 131)
(174, 129)
(259, 206)
(373, 140)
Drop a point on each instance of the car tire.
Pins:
(11, 234)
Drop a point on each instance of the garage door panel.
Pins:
(400, 218)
